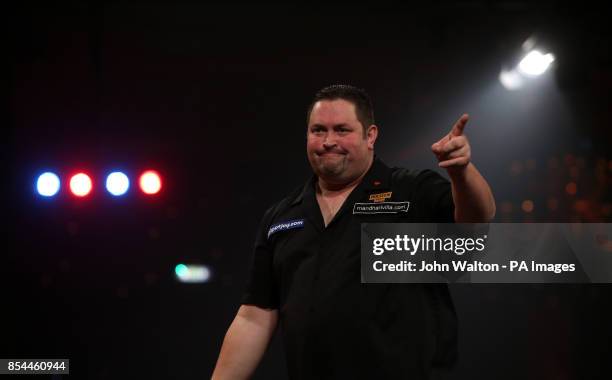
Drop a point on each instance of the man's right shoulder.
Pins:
(284, 204)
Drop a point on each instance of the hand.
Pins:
(453, 150)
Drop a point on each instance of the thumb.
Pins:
(435, 147)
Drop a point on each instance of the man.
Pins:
(306, 269)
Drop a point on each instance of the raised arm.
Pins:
(472, 195)
(245, 342)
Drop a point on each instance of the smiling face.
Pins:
(337, 149)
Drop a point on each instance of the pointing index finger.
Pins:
(460, 125)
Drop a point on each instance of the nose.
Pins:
(329, 142)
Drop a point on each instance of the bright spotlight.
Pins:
(117, 183)
(150, 182)
(80, 184)
(48, 184)
(511, 79)
(535, 63)
(192, 273)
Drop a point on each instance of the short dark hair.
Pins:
(357, 96)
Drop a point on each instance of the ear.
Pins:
(371, 135)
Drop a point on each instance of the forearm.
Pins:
(474, 202)
(245, 343)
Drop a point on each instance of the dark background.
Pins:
(214, 97)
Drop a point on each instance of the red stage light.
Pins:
(80, 184)
(150, 182)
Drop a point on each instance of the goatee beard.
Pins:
(331, 170)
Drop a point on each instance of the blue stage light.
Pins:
(117, 183)
(48, 184)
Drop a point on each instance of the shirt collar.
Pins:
(378, 177)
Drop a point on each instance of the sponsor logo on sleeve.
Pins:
(283, 226)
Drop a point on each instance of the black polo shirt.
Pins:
(332, 325)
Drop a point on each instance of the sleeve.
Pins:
(261, 287)
(434, 191)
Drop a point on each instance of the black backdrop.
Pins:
(214, 98)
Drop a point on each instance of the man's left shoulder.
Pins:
(403, 177)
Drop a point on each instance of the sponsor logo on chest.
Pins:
(380, 197)
(380, 207)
